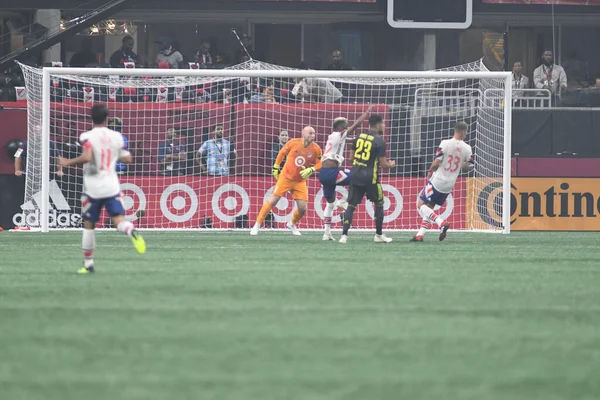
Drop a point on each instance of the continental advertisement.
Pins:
(537, 204)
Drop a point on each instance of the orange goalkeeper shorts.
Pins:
(299, 190)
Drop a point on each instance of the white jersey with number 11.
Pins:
(100, 179)
(453, 153)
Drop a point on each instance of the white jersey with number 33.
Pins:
(334, 149)
(100, 178)
(453, 153)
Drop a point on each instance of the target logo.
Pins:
(230, 201)
(392, 204)
(448, 207)
(179, 202)
(284, 209)
(300, 161)
(321, 203)
(133, 195)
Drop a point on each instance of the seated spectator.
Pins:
(117, 125)
(171, 154)
(337, 62)
(267, 96)
(124, 54)
(278, 145)
(21, 158)
(576, 70)
(167, 54)
(550, 76)
(217, 152)
(84, 56)
(203, 56)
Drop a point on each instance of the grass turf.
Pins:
(227, 316)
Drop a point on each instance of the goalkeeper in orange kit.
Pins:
(303, 159)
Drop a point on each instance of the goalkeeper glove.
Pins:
(276, 171)
(305, 173)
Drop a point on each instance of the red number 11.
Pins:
(105, 159)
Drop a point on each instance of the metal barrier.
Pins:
(522, 98)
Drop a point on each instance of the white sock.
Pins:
(328, 214)
(256, 226)
(423, 228)
(428, 213)
(125, 227)
(88, 243)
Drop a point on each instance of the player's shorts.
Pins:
(298, 189)
(374, 193)
(90, 208)
(332, 177)
(429, 194)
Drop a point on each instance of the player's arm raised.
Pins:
(359, 121)
(85, 157)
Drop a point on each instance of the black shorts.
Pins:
(374, 193)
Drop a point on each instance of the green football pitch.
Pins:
(229, 316)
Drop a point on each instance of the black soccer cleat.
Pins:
(445, 228)
(418, 239)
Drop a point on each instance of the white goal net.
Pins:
(204, 141)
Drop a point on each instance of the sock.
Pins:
(296, 217)
(379, 219)
(348, 215)
(125, 227)
(423, 228)
(428, 213)
(264, 211)
(88, 243)
(328, 214)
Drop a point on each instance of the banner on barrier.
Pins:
(547, 204)
(185, 202)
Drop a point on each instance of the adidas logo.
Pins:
(31, 210)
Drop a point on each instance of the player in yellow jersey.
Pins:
(303, 159)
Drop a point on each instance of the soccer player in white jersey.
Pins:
(452, 157)
(330, 174)
(102, 148)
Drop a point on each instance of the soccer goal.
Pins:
(204, 141)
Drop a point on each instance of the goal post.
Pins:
(420, 108)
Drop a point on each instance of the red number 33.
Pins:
(453, 163)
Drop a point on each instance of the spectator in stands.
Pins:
(124, 54)
(337, 61)
(519, 81)
(576, 70)
(550, 76)
(117, 125)
(172, 155)
(278, 145)
(21, 158)
(85, 55)
(167, 54)
(218, 152)
(203, 56)
(267, 95)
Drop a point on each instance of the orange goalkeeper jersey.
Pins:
(299, 158)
